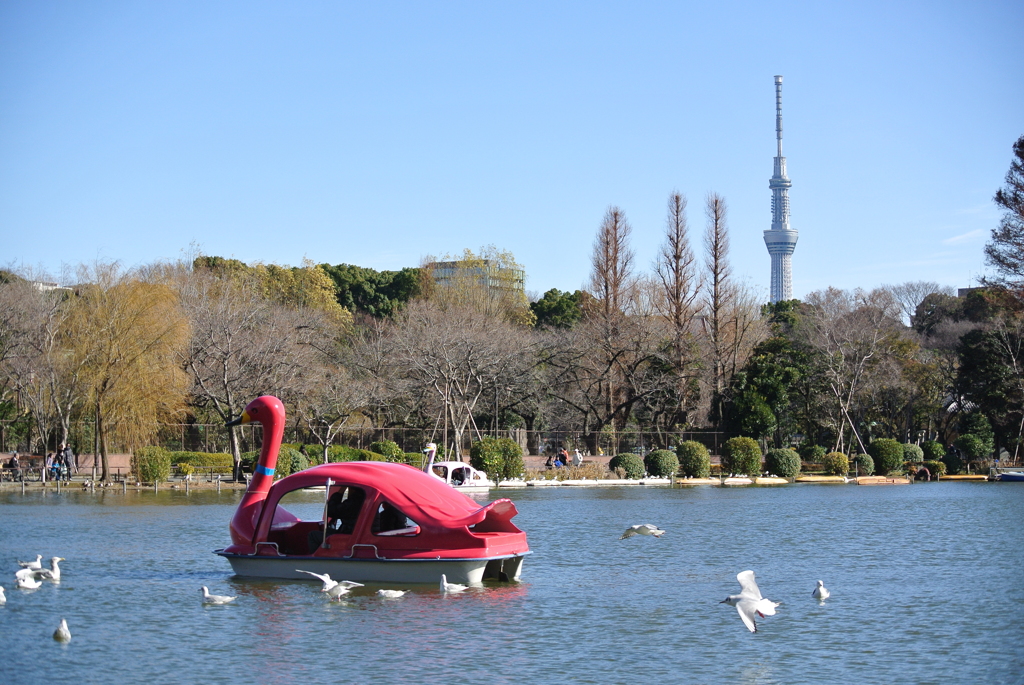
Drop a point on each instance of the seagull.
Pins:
(62, 634)
(334, 588)
(216, 599)
(391, 594)
(3, 597)
(450, 587)
(34, 565)
(749, 601)
(642, 529)
(29, 582)
(821, 593)
(52, 573)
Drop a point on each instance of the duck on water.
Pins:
(382, 522)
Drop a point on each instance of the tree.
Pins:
(129, 335)
(377, 293)
(908, 296)
(491, 282)
(557, 309)
(1005, 251)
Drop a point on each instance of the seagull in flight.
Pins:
(750, 602)
(34, 565)
(642, 529)
(216, 599)
(820, 593)
(450, 587)
(62, 634)
(334, 588)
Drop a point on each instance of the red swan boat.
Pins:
(382, 522)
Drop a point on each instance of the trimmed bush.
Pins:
(390, 450)
(632, 466)
(812, 453)
(500, 458)
(661, 463)
(289, 461)
(864, 464)
(888, 455)
(836, 464)
(936, 468)
(912, 452)
(954, 464)
(741, 456)
(933, 451)
(782, 462)
(219, 461)
(694, 459)
(151, 464)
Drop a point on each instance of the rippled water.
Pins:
(926, 584)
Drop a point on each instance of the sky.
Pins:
(379, 134)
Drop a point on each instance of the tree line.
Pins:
(679, 345)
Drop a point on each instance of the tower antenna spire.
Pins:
(780, 239)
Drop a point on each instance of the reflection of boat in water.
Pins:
(457, 474)
(382, 522)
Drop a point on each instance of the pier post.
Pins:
(124, 487)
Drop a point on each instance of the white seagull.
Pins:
(391, 594)
(52, 573)
(3, 597)
(62, 634)
(216, 599)
(450, 587)
(334, 588)
(28, 582)
(642, 529)
(749, 601)
(821, 593)
(34, 565)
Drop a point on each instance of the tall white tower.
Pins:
(780, 238)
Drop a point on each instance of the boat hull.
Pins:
(466, 571)
(1014, 476)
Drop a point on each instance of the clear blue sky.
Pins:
(378, 133)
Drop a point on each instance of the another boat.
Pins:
(457, 474)
(1008, 475)
(382, 522)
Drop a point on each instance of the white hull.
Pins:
(465, 571)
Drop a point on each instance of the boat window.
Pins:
(460, 476)
(441, 472)
(343, 509)
(390, 521)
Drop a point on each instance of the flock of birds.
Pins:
(30, 577)
(336, 589)
(749, 602)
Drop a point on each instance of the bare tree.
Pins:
(910, 294)
(718, 294)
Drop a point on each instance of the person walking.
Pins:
(69, 460)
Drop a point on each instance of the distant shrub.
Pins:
(933, 451)
(219, 461)
(632, 466)
(954, 464)
(912, 452)
(694, 459)
(812, 453)
(888, 455)
(414, 458)
(151, 464)
(741, 455)
(661, 463)
(289, 461)
(390, 450)
(836, 464)
(782, 462)
(864, 464)
(338, 453)
(500, 458)
(972, 447)
(936, 468)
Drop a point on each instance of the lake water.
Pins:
(925, 580)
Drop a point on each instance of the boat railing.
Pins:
(277, 550)
(352, 551)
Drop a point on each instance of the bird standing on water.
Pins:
(450, 587)
(216, 599)
(642, 529)
(750, 601)
(820, 593)
(334, 588)
(62, 634)
(34, 565)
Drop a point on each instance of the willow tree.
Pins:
(129, 336)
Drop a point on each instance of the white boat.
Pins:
(457, 474)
